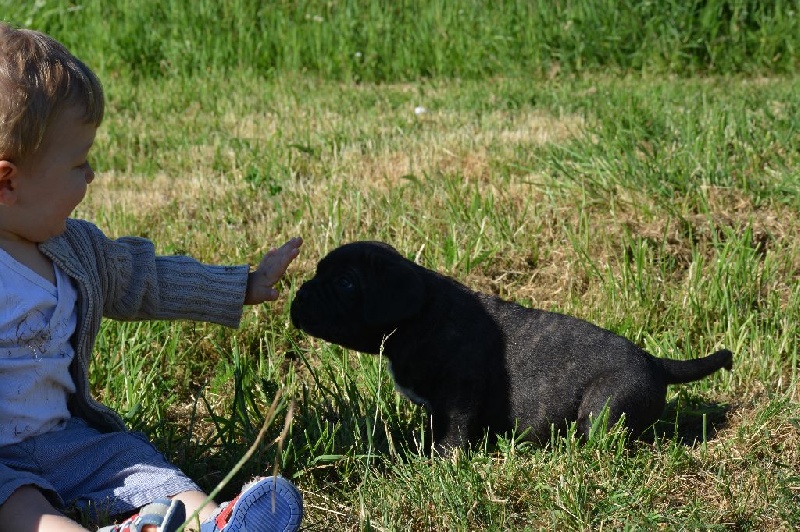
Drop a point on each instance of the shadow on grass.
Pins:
(690, 420)
(687, 420)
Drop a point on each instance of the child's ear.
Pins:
(8, 193)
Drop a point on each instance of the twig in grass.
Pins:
(378, 398)
(270, 417)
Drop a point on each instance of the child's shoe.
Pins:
(270, 504)
(167, 515)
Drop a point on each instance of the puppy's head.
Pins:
(360, 293)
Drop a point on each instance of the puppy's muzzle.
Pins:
(299, 309)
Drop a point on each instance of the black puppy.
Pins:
(477, 362)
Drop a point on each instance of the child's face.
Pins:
(54, 181)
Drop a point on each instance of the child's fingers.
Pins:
(276, 260)
(287, 252)
(293, 243)
(271, 294)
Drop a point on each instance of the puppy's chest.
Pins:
(409, 392)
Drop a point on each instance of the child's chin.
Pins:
(54, 233)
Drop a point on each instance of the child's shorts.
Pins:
(101, 474)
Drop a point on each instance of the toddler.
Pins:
(58, 277)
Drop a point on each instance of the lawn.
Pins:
(642, 173)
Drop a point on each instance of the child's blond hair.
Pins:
(39, 78)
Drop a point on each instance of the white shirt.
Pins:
(37, 320)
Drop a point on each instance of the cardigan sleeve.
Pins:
(143, 285)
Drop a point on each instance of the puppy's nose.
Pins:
(298, 308)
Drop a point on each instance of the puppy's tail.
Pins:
(680, 371)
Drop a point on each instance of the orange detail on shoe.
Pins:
(225, 514)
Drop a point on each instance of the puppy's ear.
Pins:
(395, 291)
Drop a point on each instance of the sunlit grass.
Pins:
(379, 40)
(663, 208)
(544, 205)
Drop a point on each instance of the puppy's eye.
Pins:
(345, 283)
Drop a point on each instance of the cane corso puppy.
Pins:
(478, 363)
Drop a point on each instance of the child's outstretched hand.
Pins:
(260, 284)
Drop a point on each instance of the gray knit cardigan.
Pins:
(124, 279)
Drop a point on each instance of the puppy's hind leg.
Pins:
(641, 400)
(451, 430)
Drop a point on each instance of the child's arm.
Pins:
(126, 280)
(261, 282)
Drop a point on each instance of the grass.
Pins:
(376, 40)
(557, 195)
(655, 198)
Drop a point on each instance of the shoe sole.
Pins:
(271, 504)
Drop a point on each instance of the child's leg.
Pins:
(193, 500)
(101, 475)
(265, 505)
(28, 510)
